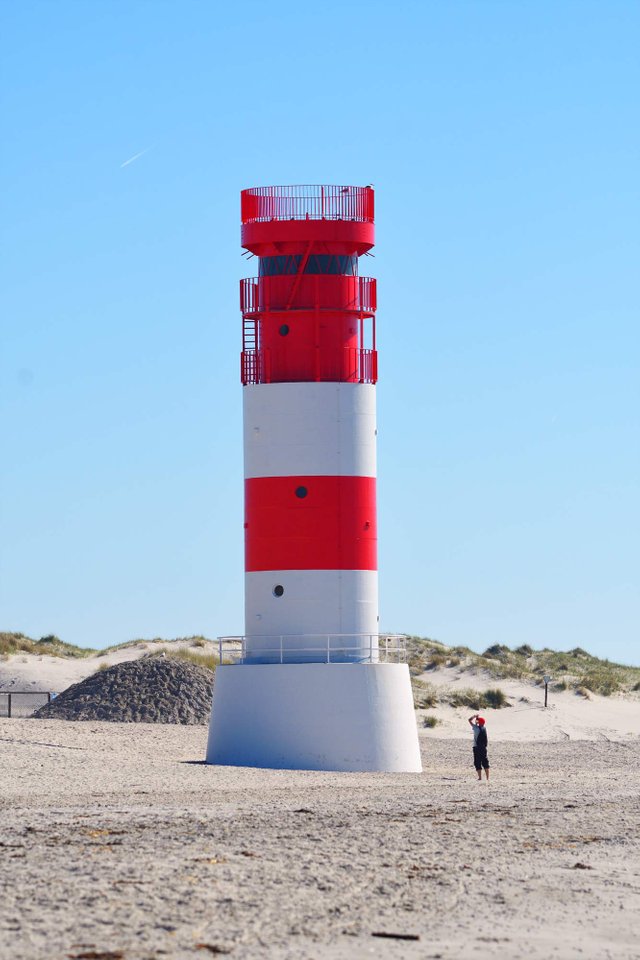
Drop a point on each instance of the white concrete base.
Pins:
(314, 716)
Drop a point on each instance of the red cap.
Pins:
(480, 721)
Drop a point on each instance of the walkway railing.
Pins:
(307, 202)
(314, 648)
(353, 365)
(308, 291)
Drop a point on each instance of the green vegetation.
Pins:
(189, 656)
(430, 721)
(424, 694)
(195, 641)
(570, 670)
(475, 699)
(50, 646)
(496, 699)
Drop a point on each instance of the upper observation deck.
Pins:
(286, 219)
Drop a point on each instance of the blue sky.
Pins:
(503, 140)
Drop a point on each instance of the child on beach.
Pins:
(480, 742)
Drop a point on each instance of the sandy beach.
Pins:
(117, 842)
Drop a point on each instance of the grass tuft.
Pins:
(208, 660)
(494, 698)
(50, 646)
(424, 694)
(430, 721)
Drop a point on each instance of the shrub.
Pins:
(524, 650)
(424, 695)
(561, 685)
(436, 660)
(466, 697)
(601, 682)
(200, 659)
(496, 652)
(430, 721)
(636, 686)
(495, 698)
(475, 699)
(417, 664)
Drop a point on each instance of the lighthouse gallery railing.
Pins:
(315, 648)
(307, 202)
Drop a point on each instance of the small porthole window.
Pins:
(284, 330)
(278, 590)
(301, 492)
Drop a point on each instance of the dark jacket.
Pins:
(483, 739)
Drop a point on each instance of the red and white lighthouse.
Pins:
(310, 690)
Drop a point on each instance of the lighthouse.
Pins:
(316, 687)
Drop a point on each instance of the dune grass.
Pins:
(430, 721)
(195, 641)
(493, 698)
(49, 645)
(208, 660)
(570, 670)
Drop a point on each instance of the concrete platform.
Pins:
(314, 716)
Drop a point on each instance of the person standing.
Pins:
(480, 743)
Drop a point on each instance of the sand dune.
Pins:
(567, 717)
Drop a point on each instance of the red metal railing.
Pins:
(308, 292)
(367, 366)
(254, 367)
(308, 202)
(362, 366)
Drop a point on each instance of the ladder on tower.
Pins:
(249, 334)
(250, 357)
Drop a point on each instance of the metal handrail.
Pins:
(307, 202)
(371, 648)
(314, 291)
(255, 366)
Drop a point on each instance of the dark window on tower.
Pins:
(338, 265)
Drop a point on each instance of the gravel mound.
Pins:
(150, 690)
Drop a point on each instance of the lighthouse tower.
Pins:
(310, 690)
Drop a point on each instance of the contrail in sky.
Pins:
(136, 156)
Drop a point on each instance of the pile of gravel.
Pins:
(150, 690)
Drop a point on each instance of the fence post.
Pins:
(49, 697)
(9, 706)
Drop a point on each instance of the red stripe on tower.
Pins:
(310, 523)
